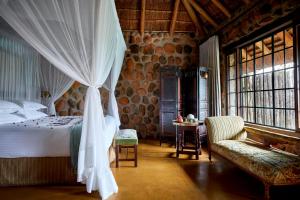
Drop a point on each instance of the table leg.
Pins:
(177, 145)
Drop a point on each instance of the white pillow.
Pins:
(33, 114)
(10, 118)
(8, 107)
(29, 105)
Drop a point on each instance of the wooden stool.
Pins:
(126, 138)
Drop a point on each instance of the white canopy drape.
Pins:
(112, 80)
(54, 83)
(78, 37)
(19, 74)
(210, 58)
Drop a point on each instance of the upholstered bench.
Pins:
(227, 137)
(126, 138)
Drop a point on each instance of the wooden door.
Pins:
(170, 101)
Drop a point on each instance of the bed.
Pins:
(41, 151)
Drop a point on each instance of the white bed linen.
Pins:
(45, 137)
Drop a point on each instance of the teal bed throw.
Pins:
(74, 143)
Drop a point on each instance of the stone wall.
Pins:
(138, 88)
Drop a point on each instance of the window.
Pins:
(261, 86)
(232, 83)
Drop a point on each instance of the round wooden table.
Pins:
(181, 129)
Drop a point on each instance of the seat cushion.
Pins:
(126, 137)
(271, 165)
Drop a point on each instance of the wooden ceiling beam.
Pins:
(246, 1)
(174, 17)
(203, 13)
(143, 11)
(193, 16)
(221, 7)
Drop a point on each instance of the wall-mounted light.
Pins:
(45, 94)
(204, 74)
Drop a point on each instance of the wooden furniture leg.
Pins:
(267, 191)
(117, 155)
(135, 155)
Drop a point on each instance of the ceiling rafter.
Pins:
(174, 17)
(193, 16)
(143, 11)
(221, 7)
(246, 1)
(203, 13)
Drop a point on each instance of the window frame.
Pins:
(239, 63)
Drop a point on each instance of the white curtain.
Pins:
(78, 37)
(19, 74)
(209, 57)
(112, 80)
(54, 84)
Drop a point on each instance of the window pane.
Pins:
(290, 119)
(268, 63)
(243, 84)
(232, 72)
(244, 99)
(258, 65)
(232, 87)
(279, 60)
(232, 100)
(259, 82)
(278, 41)
(250, 52)
(259, 116)
(232, 111)
(258, 49)
(279, 99)
(268, 117)
(288, 37)
(244, 69)
(245, 114)
(268, 44)
(290, 98)
(268, 99)
(259, 98)
(251, 99)
(250, 83)
(289, 74)
(243, 54)
(279, 79)
(232, 60)
(250, 68)
(268, 81)
(251, 115)
(280, 118)
(289, 58)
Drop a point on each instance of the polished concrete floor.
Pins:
(160, 176)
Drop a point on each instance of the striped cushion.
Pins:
(225, 128)
(126, 137)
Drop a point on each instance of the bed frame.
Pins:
(36, 171)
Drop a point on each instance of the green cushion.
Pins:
(126, 137)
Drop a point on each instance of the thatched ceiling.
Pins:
(204, 16)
